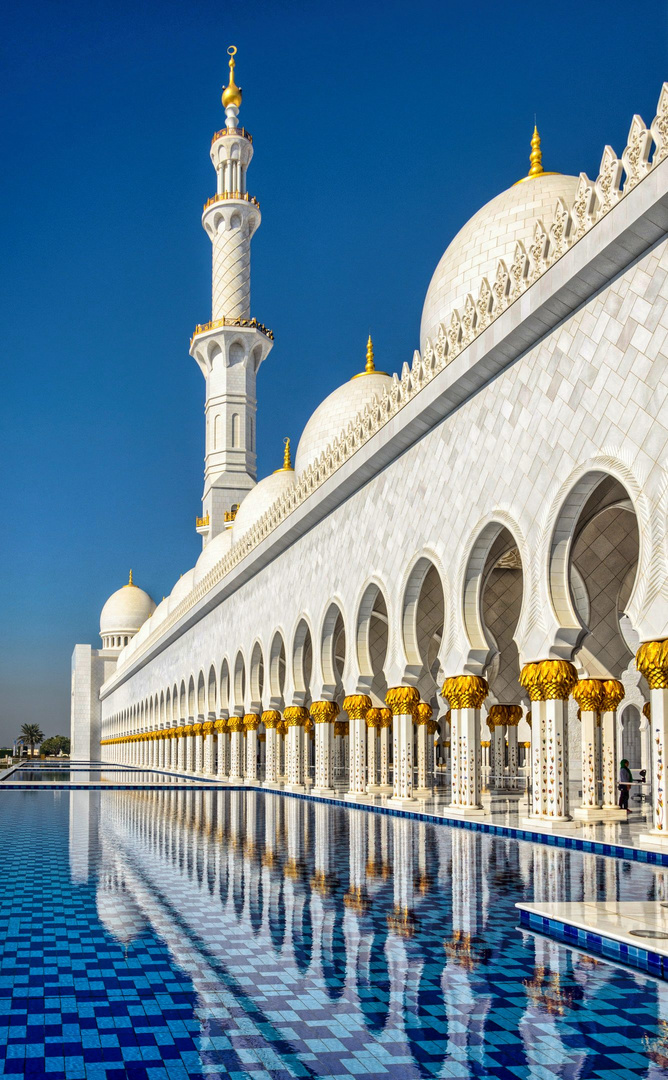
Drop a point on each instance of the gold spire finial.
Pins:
(232, 92)
(287, 460)
(536, 157)
(287, 463)
(370, 366)
(130, 581)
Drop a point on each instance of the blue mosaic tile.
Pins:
(189, 932)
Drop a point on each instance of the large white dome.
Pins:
(260, 498)
(335, 413)
(126, 611)
(488, 236)
(213, 553)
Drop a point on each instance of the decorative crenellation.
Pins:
(548, 680)
(593, 200)
(465, 691)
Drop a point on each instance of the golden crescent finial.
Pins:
(232, 92)
(287, 463)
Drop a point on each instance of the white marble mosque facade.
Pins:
(486, 528)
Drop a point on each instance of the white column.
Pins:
(181, 750)
(223, 755)
(270, 718)
(373, 720)
(402, 700)
(384, 744)
(422, 716)
(251, 723)
(357, 706)
(324, 714)
(652, 662)
(515, 715)
(549, 684)
(613, 695)
(465, 694)
(235, 724)
(208, 737)
(294, 717)
(589, 695)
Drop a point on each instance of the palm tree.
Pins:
(32, 733)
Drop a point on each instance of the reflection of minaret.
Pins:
(84, 829)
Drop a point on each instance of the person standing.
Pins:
(625, 781)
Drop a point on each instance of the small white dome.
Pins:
(183, 586)
(213, 553)
(260, 498)
(334, 414)
(126, 611)
(490, 235)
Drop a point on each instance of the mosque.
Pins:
(463, 574)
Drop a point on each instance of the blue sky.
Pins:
(379, 128)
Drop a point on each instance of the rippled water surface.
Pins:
(157, 934)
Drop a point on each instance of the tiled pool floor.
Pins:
(181, 933)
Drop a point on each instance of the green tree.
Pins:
(55, 745)
(32, 733)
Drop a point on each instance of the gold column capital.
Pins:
(589, 694)
(197, 729)
(208, 727)
(647, 710)
(357, 706)
(432, 727)
(515, 713)
(324, 712)
(295, 715)
(402, 700)
(613, 694)
(497, 716)
(422, 714)
(221, 725)
(652, 662)
(251, 721)
(235, 723)
(465, 691)
(374, 717)
(548, 680)
(271, 718)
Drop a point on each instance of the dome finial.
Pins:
(232, 92)
(287, 463)
(536, 157)
(130, 581)
(370, 366)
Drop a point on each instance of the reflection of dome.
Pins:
(125, 611)
(212, 553)
(488, 236)
(333, 415)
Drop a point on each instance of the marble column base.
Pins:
(465, 811)
(270, 783)
(544, 824)
(405, 804)
(589, 813)
(294, 787)
(357, 796)
(326, 791)
(374, 789)
(384, 789)
(654, 840)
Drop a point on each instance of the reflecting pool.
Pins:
(189, 933)
(30, 774)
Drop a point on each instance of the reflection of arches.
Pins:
(277, 669)
(239, 684)
(631, 740)
(256, 677)
(302, 662)
(372, 641)
(422, 624)
(333, 650)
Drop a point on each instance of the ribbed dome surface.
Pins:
(335, 413)
(125, 611)
(490, 235)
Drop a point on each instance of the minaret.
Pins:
(231, 347)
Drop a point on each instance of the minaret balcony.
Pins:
(232, 131)
(242, 195)
(202, 524)
(253, 324)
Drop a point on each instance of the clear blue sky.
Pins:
(379, 128)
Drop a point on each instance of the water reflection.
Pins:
(315, 936)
